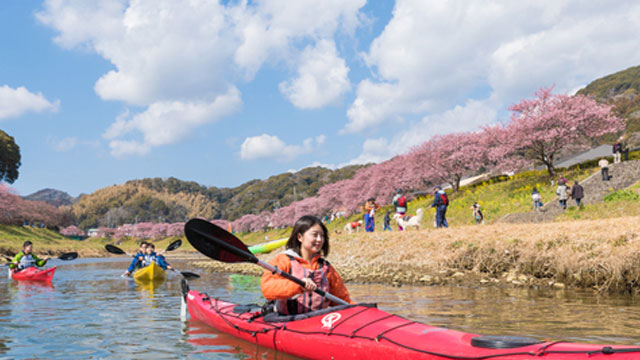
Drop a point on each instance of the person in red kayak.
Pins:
(26, 259)
(308, 243)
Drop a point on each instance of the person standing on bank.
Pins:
(386, 222)
(400, 203)
(440, 202)
(577, 193)
(617, 151)
(370, 208)
(537, 200)
(563, 195)
(604, 169)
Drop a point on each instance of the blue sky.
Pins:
(98, 93)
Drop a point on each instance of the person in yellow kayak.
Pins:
(25, 258)
(151, 256)
(138, 259)
(308, 243)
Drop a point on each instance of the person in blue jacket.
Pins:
(158, 258)
(440, 202)
(138, 259)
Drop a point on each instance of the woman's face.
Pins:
(312, 239)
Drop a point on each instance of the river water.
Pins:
(89, 311)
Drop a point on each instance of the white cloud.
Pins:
(461, 118)
(168, 122)
(122, 148)
(173, 57)
(16, 102)
(64, 144)
(433, 55)
(271, 147)
(322, 77)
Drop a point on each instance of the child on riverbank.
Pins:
(26, 259)
(308, 243)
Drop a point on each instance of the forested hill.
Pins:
(173, 200)
(622, 90)
(51, 197)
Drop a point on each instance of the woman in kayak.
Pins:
(25, 258)
(309, 241)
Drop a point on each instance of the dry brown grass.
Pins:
(600, 254)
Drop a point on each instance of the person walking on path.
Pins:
(577, 193)
(440, 202)
(387, 221)
(400, 203)
(477, 213)
(617, 151)
(537, 200)
(563, 195)
(370, 208)
(604, 169)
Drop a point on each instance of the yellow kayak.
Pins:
(149, 273)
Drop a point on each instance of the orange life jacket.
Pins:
(307, 301)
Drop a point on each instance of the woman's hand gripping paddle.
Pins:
(218, 244)
(174, 245)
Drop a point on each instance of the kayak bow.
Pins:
(34, 274)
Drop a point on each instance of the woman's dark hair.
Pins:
(27, 243)
(301, 226)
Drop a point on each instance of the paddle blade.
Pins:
(68, 256)
(216, 242)
(189, 275)
(114, 249)
(174, 245)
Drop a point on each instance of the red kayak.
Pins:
(34, 274)
(364, 332)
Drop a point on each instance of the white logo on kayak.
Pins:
(191, 297)
(328, 320)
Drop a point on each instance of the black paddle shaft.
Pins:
(225, 247)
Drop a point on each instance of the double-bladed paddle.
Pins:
(174, 245)
(218, 244)
(66, 257)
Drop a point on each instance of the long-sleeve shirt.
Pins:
(136, 262)
(16, 260)
(276, 287)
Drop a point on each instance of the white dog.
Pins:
(353, 226)
(413, 222)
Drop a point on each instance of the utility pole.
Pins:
(295, 196)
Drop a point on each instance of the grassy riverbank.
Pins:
(602, 255)
(48, 242)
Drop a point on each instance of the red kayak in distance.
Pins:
(363, 331)
(34, 274)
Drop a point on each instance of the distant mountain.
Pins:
(51, 196)
(174, 200)
(622, 90)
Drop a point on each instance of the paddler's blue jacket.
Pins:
(162, 262)
(135, 263)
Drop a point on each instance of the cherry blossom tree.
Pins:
(72, 230)
(175, 229)
(541, 127)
